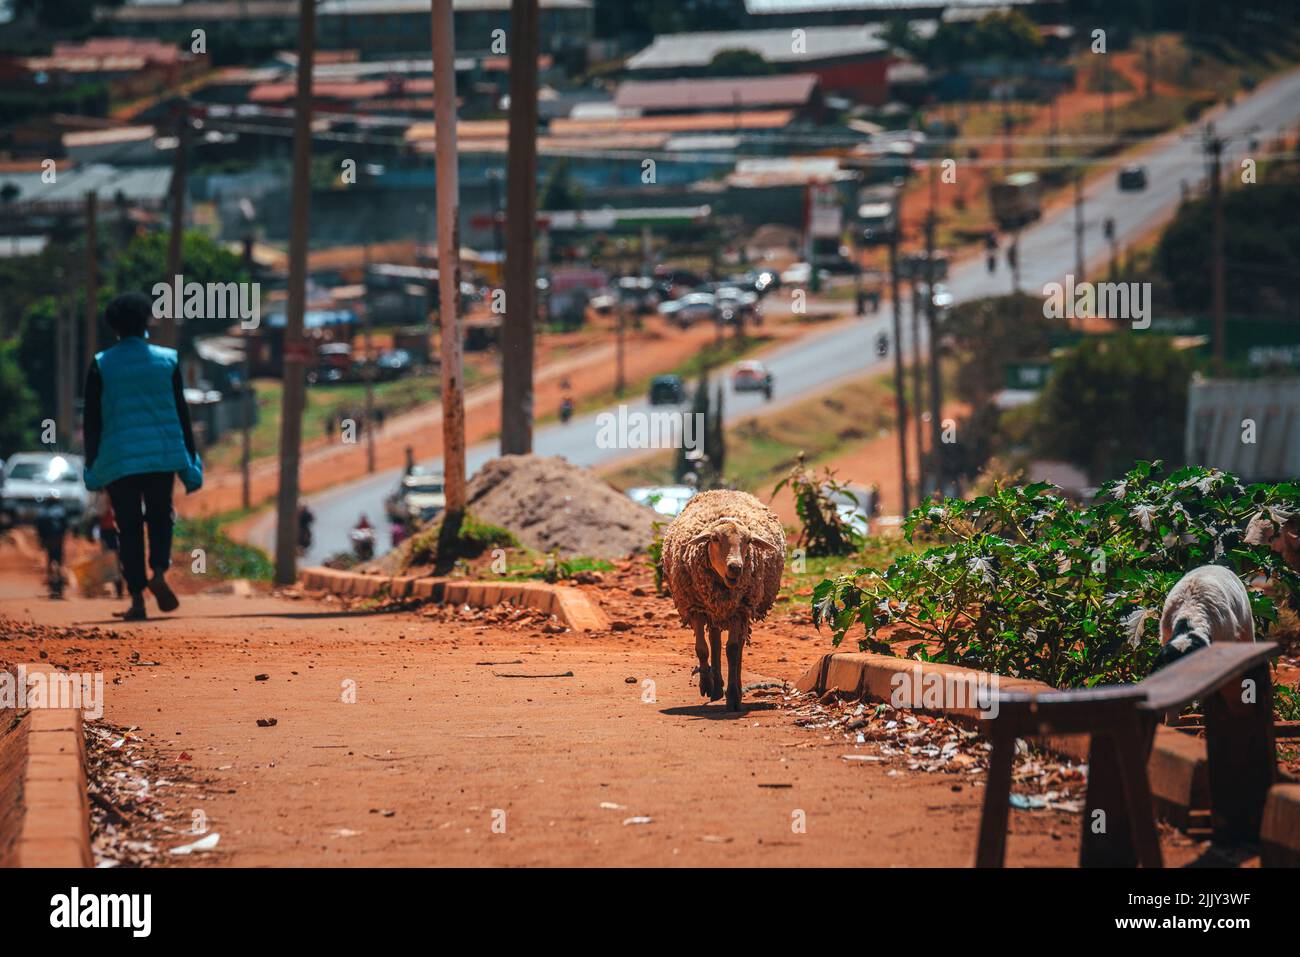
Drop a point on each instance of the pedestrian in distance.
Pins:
(138, 441)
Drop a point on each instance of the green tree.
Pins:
(1110, 402)
(558, 192)
(739, 62)
(19, 412)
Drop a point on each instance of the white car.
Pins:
(690, 308)
(664, 499)
(34, 478)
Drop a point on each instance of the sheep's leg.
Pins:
(735, 647)
(702, 653)
(715, 640)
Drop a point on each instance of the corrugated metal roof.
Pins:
(690, 123)
(136, 183)
(1217, 413)
(793, 89)
(288, 9)
(761, 7)
(675, 50)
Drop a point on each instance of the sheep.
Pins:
(1207, 604)
(722, 559)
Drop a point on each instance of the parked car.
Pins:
(664, 499)
(751, 376)
(638, 292)
(690, 308)
(667, 390)
(854, 505)
(420, 497)
(33, 478)
(393, 364)
(1133, 178)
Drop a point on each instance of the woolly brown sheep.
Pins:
(722, 561)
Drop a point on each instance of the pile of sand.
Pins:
(554, 506)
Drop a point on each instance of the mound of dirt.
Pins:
(554, 506)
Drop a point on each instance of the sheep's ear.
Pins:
(702, 539)
(763, 543)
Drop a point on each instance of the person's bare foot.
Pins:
(167, 600)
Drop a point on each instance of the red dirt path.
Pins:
(440, 740)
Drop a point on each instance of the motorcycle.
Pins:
(566, 410)
(363, 543)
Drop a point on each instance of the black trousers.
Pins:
(139, 500)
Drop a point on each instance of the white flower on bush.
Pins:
(982, 568)
(1134, 623)
(1144, 514)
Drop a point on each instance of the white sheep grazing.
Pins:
(1208, 604)
(722, 559)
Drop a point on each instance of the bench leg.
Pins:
(1134, 753)
(1241, 754)
(1107, 835)
(997, 801)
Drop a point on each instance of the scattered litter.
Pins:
(611, 806)
(775, 785)
(261, 677)
(267, 722)
(637, 820)
(500, 674)
(517, 661)
(862, 757)
(207, 843)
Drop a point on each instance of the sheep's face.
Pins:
(729, 546)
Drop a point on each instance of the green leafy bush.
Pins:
(226, 558)
(1024, 583)
(473, 538)
(823, 530)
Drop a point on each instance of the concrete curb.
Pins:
(565, 602)
(1279, 834)
(1178, 768)
(55, 825)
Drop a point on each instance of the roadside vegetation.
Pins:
(1024, 583)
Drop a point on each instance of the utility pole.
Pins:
(1078, 226)
(620, 371)
(370, 364)
(92, 278)
(918, 396)
(932, 330)
(1214, 148)
(294, 346)
(521, 228)
(179, 173)
(250, 396)
(900, 393)
(453, 400)
(66, 339)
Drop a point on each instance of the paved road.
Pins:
(845, 348)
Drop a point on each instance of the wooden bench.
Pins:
(1119, 822)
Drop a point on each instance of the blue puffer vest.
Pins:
(141, 428)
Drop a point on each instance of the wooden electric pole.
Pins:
(295, 346)
(932, 331)
(91, 335)
(918, 393)
(521, 228)
(1078, 227)
(900, 390)
(1214, 148)
(167, 334)
(453, 400)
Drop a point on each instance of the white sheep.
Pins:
(1208, 604)
(722, 560)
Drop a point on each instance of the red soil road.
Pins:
(438, 739)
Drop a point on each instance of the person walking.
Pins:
(138, 440)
